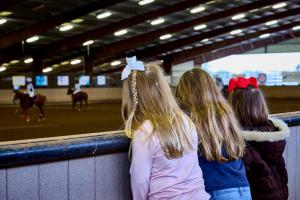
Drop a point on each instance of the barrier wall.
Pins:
(59, 95)
(93, 166)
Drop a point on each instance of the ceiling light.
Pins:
(5, 13)
(47, 69)
(3, 21)
(164, 37)
(66, 27)
(2, 69)
(296, 28)
(32, 39)
(238, 16)
(270, 23)
(199, 27)
(14, 62)
(65, 63)
(55, 65)
(75, 62)
(28, 60)
(238, 31)
(197, 9)
(89, 42)
(204, 40)
(279, 5)
(116, 62)
(5, 64)
(77, 21)
(103, 15)
(265, 35)
(121, 32)
(144, 2)
(157, 21)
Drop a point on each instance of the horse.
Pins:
(25, 104)
(79, 96)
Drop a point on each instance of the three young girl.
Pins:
(265, 138)
(164, 163)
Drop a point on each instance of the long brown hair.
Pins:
(212, 115)
(249, 106)
(147, 96)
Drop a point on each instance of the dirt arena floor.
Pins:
(62, 120)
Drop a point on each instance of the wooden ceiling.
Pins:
(55, 49)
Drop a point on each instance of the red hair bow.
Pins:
(241, 82)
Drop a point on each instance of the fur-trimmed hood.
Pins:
(259, 136)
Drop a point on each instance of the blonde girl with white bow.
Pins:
(164, 141)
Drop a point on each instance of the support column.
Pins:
(167, 65)
(88, 65)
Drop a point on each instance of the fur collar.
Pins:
(258, 136)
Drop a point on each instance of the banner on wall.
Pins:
(290, 76)
(18, 80)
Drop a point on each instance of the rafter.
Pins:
(191, 53)
(158, 49)
(42, 26)
(239, 49)
(104, 52)
(97, 33)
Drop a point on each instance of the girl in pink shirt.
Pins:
(164, 140)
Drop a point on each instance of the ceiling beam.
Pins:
(104, 52)
(191, 53)
(98, 33)
(242, 48)
(163, 48)
(42, 26)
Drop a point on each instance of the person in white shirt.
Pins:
(77, 88)
(30, 92)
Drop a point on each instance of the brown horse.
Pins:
(25, 104)
(79, 96)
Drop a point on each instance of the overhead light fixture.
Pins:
(104, 15)
(2, 69)
(199, 27)
(144, 2)
(32, 39)
(55, 65)
(75, 62)
(238, 31)
(47, 69)
(279, 5)
(14, 62)
(265, 35)
(157, 21)
(5, 13)
(28, 60)
(164, 37)
(2, 21)
(295, 28)
(115, 63)
(270, 23)
(89, 42)
(77, 21)
(204, 40)
(197, 9)
(5, 64)
(66, 27)
(120, 32)
(238, 16)
(64, 63)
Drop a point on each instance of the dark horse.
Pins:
(79, 96)
(25, 104)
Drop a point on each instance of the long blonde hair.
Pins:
(216, 125)
(147, 96)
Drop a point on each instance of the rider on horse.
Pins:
(76, 88)
(30, 92)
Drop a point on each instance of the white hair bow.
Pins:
(132, 64)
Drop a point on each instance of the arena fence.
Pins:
(93, 166)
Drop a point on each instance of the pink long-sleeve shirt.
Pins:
(154, 176)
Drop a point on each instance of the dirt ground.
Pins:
(62, 120)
